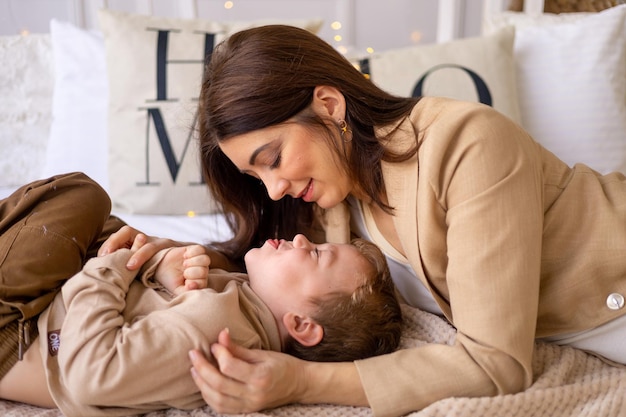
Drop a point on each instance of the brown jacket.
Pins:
(512, 243)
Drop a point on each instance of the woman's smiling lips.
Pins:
(275, 243)
(307, 193)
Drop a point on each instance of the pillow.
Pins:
(572, 87)
(26, 84)
(154, 67)
(472, 69)
(78, 134)
(523, 20)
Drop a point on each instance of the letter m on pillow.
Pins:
(155, 68)
(163, 99)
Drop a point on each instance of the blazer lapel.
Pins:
(401, 183)
(401, 186)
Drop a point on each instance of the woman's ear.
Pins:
(303, 329)
(330, 102)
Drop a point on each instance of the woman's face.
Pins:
(291, 159)
(286, 275)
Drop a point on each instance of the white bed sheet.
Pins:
(203, 229)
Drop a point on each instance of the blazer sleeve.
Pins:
(480, 220)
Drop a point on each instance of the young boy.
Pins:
(115, 345)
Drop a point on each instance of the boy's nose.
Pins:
(300, 241)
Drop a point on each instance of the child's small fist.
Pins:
(196, 267)
(183, 269)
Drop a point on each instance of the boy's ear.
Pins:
(328, 101)
(303, 329)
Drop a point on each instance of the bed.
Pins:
(73, 99)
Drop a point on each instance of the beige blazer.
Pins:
(512, 243)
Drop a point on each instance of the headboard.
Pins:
(364, 23)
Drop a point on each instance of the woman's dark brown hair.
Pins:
(264, 76)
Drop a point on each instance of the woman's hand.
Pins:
(246, 380)
(144, 246)
(240, 380)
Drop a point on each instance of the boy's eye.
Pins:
(317, 253)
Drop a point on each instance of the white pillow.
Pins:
(78, 134)
(523, 20)
(153, 156)
(572, 87)
(26, 84)
(472, 69)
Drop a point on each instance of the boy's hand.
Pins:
(183, 269)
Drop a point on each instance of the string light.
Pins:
(191, 213)
(229, 5)
(336, 26)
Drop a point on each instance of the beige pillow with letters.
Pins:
(472, 69)
(154, 67)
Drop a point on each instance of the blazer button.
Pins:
(615, 301)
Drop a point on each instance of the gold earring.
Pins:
(343, 126)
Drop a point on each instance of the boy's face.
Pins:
(286, 275)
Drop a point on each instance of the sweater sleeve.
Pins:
(480, 218)
(106, 360)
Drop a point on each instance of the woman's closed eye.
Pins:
(276, 162)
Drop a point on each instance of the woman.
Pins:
(480, 223)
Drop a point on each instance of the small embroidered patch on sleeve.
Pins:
(54, 341)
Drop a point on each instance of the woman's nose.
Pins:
(276, 187)
(300, 241)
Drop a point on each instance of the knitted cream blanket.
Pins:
(568, 382)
